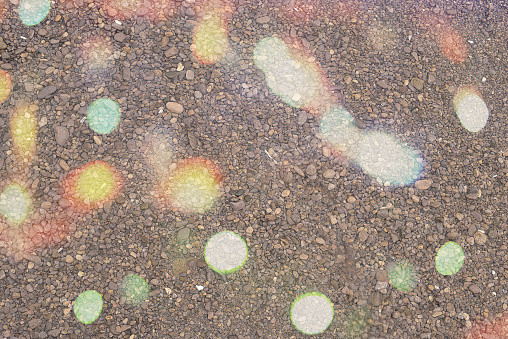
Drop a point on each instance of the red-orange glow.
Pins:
(489, 329)
(452, 45)
(92, 185)
(324, 99)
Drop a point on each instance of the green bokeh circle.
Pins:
(103, 115)
(449, 258)
(208, 249)
(88, 306)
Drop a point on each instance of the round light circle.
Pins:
(449, 258)
(312, 313)
(88, 306)
(226, 252)
(103, 115)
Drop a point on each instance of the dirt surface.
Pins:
(313, 220)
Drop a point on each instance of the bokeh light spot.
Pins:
(339, 129)
(471, 110)
(46, 231)
(23, 126)
(194, 186)
(226, 252)
(122, 9)
(452, 44)
(103, 115)
(135, 289)
(31, 12)
(98, 59)
(354, 323)
(449, 258)
(382, 157)
(91, 185)
(210, 42)
(312, 313)
(291, 74)
(5, 85)
(402, 275)
(496, 328)
(88, 306)
(158, 151)
(15, 203)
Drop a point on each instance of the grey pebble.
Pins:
(311, 170)
(120, 37)
(263, 20)
(61, 135)
(46, 92)
(302, 118)
(238, 205)
(183, 234)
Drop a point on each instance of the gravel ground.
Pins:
(312, 220)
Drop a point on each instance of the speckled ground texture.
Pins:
(312, 220)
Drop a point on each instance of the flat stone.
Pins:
(61, 135)
(263, 20)
(477, 216)
(311, 170)
(480, 238)
(238, 205)
(363, 235)
(383, 84)
(453, 235)
(292, 32)
(33, 323)
(423, 184)
(321, 241)
(46, 92)
(302, 118)
(189, 75)
(174, 107)
(54, 333)
(417, 83)
(171, 52)
(216, 74)
(64, 165)
(383, 213)
(360, 124)
(126, 73)
(474, 288)
(120, 37)
(183, 234)
(329, 173)
(376, 299)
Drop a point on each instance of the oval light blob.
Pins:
(32, 12)
(471, 110)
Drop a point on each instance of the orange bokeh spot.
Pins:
(489, 329)
(46, 232)
(92, 185)
(453, 45)
(213, 169)
(210, 40)
(324, 97)
(193, 186)
(450, 41)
